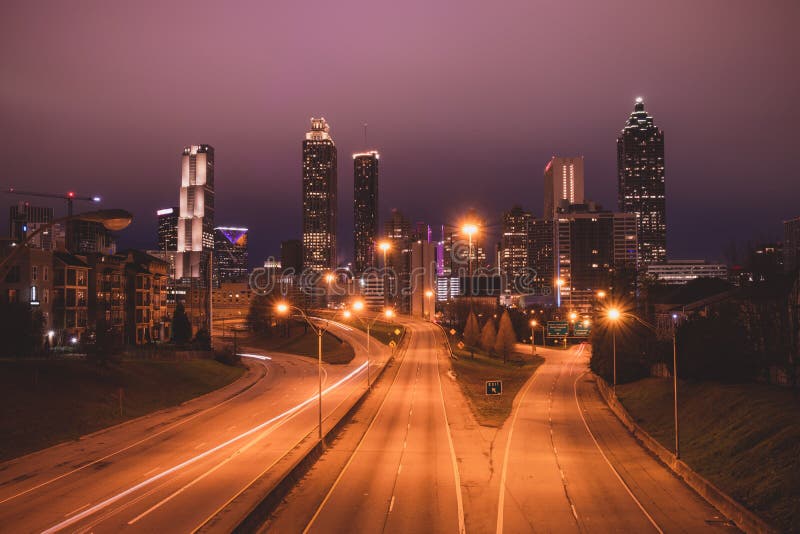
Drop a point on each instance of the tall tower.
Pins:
(196, 218)
(563, 183)
(640, 168)
(168, 228)
(230, 254)
(319, 198)
(365, 209)
(515, 244)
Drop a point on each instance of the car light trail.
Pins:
(254, 356)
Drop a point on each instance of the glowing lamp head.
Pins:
(347, 314)
(674, 316)
(389, 313)
(601, 294)
(613, 314)
(470, 229)
(586, 322)
(429, 293)
(358, 305)
(282, 308)
(573, 316)
(639, 99)
(559, 282)
(329, 277)
(533, 323)
(384, 246)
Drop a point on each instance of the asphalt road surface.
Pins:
(175, 470)
(570, 466)
(402, 476)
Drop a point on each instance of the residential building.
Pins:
(679, 272)
(70, 296)
(640, 168)
(365, 209)
(319, 198)
(147, 317)
(28, 280)
(107, 291)
(230, 255)
(563, 183)
(168, 228)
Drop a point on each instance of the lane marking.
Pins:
(391, 504)
(149, 437)
(360, 443)
(194, 459)
(151, 471)
(76, 510)
(616, 473)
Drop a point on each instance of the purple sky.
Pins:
(465, 100)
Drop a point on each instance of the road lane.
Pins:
(402, 476)
(117, 478)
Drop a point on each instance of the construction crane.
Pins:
(70, 197)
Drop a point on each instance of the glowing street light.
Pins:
(428, 296)
(389, 313)
(358, 306)
(470, 229)
(601, 294)
(384, 246)
(534, 323)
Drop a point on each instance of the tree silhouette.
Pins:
(506, 337)
(181, 327)
(488, 336)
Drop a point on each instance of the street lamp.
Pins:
(613, 316)
(601, 294)
(358, 306)
(283, 309)
(384, 246)
(534, 323)
(428, 295)
(470, 229)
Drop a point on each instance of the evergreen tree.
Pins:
(472, 332)
(181, 327)
(506, 337)
(259, 316)
(488, 336)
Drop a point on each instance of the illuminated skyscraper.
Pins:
(640, 168)
(515, 244)
(196, 218)
(365, 209)
(230, 254)
(319, 198)
(168, 228)
(563, 184)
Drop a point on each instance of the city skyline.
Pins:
(430, 140)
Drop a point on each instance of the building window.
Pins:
(12, 296)
(34, 273)
(45, 272)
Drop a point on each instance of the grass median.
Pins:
(302, 342)
(745, 438)
(47, 402)
(472, 374)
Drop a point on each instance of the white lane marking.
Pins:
(502, 498)
(391, 504)
(616, 473)
(194, 459)
(358, 447)
(76, 510)
(457, 477)
(143, 440)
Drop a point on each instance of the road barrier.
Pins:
(727, 505)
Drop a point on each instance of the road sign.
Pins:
(392, 344)
(452, 331)
(461, 345)
(397, 331)
(581, 330)
(494, 387)
(557, 328)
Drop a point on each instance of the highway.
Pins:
(184, 468)
(402, 475)
(568, 465)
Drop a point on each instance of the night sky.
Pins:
(466, 101)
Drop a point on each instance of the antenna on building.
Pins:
(365, 136)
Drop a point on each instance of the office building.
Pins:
(679, 272)
(365, 209)
(25, 219)
(196, 214)
(640, 167)
(292, 256)
(319, 198)
(86, 237)
(230, 255)
(563, 183)
(791, 244)
(514, 252)
(168, 228)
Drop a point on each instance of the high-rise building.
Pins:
(87, 237)
(791, 244)
(196, 217)
(563, 183)
(365, 209)
(541, 256)
(168, 228)
(640, 168)
(25, 219)
(230, 255)
(514, 254)
(292, 255)
(319, 198)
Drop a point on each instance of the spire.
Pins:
(639, 106)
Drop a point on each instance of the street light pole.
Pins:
(675, 387)
(614, 344)
(319, 380)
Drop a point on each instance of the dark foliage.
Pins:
(181, 327)
(21, 330)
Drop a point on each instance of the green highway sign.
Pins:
(582, 331)
(494, 387)
(557, 328)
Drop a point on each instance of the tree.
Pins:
(472, 333)
(21, 329)
(181, 327)
(506, 337)
(488, 336)
(259, 316)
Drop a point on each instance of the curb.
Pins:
(727, 505)
(261, 511)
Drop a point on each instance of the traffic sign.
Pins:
(582, 330)
(494, 387)
(557, 328)
(392, 344)
(452, 331)
(397, 331)
(461, 345)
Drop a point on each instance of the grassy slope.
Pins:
(304, 344)
(44, 403)
(382, 331)
(743, 437)
(472, 374)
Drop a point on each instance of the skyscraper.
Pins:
(515, 244)
(25, 219)
(365, 209)
(791, 244)
(230, 254)
(319, 198)
(563, 183)
(640, 168)
(168, 228)
(196, 218)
